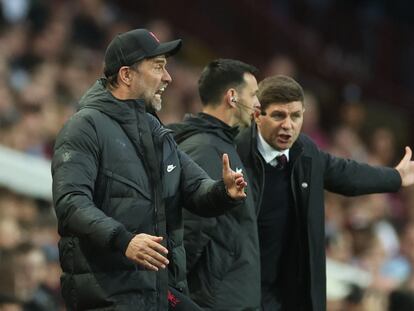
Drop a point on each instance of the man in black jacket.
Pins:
(223, 259)
(119, 183)
(288, 174)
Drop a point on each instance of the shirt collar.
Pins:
(268, 152)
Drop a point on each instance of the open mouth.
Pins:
(285, 137)
(160, 91)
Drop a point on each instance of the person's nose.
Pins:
(287, 123)
(256, 104)
(166, 77)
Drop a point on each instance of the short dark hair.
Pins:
(220, 75)
(279, 89)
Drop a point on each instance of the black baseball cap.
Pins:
(129, 47)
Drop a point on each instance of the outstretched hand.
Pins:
(233, 181)
(406, 168)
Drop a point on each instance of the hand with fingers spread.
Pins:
(147, 251)
(234, 181)
(406, 168)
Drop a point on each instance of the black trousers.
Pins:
(270, 301)
(177, 301)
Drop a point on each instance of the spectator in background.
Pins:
(401, 267)
(281, 64)
(401, 300)
(8, 284)
(10, 303)
(370, 256)
(23, 271)
(289, 172)
(226, 247)
(346, 143)
(31, 271)
(382, 146)
(10, 233)
(374, 211)
(119, 183)
(311, 125)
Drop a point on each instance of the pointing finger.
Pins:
(226, 162)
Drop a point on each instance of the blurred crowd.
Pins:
(52, 51)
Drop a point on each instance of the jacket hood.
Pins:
(99, 98)
(203, 123)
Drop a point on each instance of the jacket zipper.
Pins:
(155, 227)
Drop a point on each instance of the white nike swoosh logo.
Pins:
(170, 168)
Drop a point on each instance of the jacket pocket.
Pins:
(177, 267)
(72, 258)
(127, 182)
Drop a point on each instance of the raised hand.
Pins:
(146, 250)
(233, 181)
(406, 168)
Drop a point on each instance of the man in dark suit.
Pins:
(288, 174)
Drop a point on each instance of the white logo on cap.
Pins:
(155, 37)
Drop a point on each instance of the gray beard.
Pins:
(156, 105)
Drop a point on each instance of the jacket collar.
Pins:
(230, 132)
(99, 98)
(203, 123)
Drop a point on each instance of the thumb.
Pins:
(408, 153)
(406, 159)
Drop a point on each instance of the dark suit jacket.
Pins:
(313, 171)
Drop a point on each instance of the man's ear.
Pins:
(124, 75)
(231, 97)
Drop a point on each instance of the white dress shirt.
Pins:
(269, 153)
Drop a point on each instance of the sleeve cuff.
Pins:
(221, 188)
(121, 240)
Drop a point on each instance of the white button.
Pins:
(304, 185)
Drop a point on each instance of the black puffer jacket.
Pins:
(312, 171)
(105, 191)
(223, 259)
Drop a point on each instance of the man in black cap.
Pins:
(119, 182)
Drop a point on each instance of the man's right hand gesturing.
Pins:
(146, 250)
